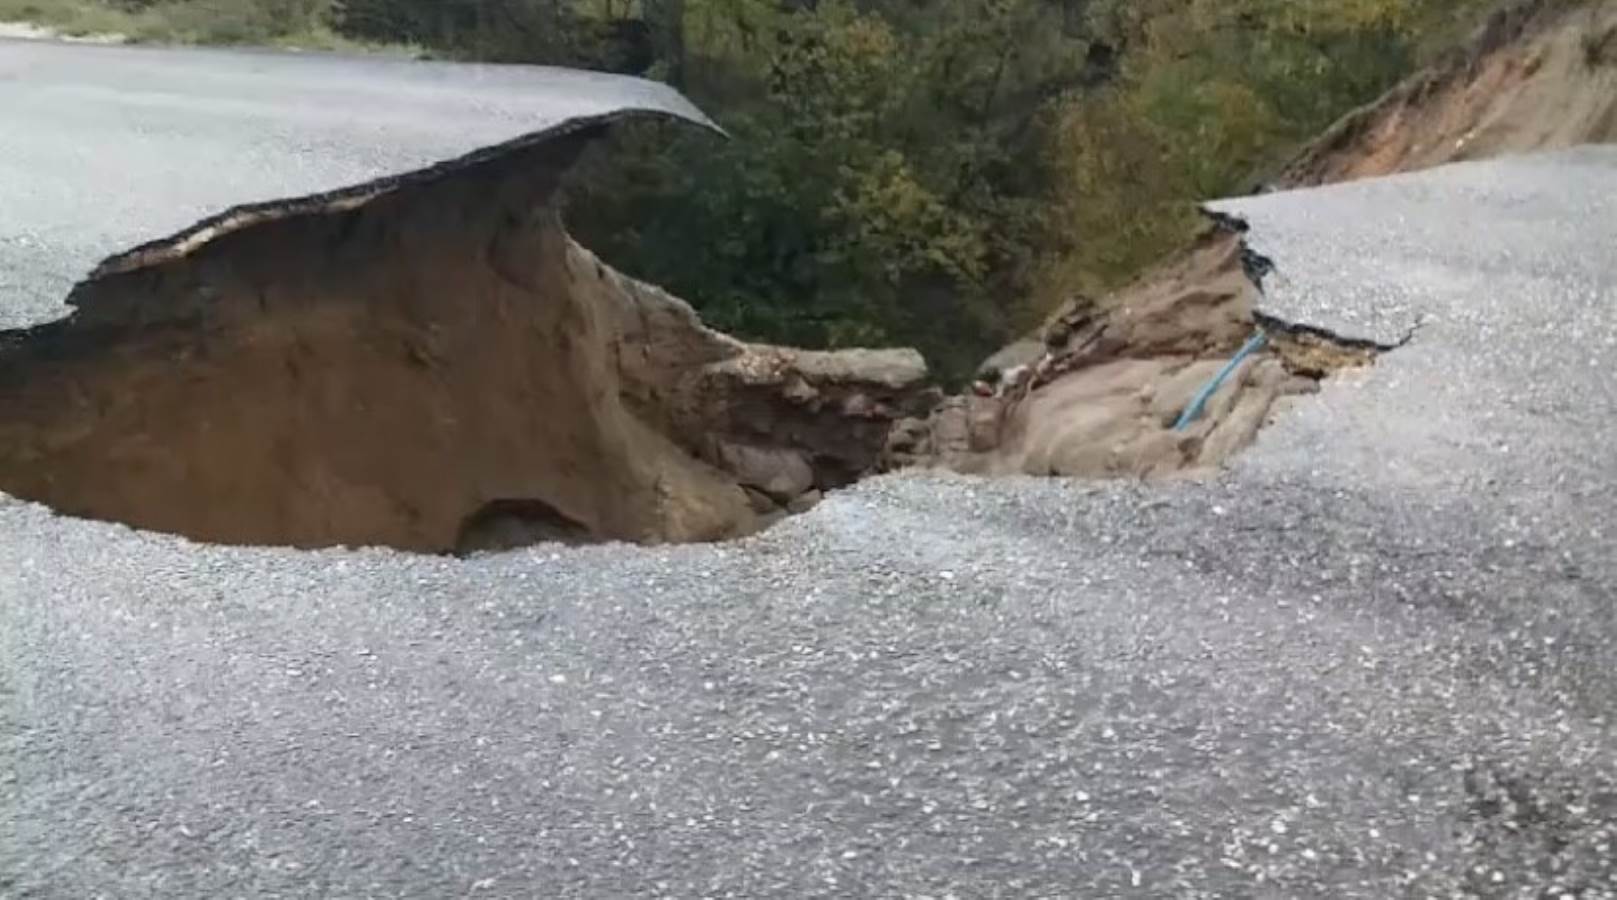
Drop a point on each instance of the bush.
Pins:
(937, 173)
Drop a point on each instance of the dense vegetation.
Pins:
(929, 172)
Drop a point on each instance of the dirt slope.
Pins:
(430, 364)
(1100, 390)
(1540, 74)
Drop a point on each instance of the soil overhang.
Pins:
(425, 361)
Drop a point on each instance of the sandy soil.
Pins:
(1539, 75)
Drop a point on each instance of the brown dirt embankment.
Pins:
(1539, 75)
(1098, 390)
(430, 364)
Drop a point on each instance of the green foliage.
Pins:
(232, 21)
(942, 173)
(857, 203)
(929, 172)
(72, 17)
(187, 21)
(1212, 94)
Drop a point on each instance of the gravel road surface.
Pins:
(1377, 658)
(103, 148)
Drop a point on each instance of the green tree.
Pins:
(930, 172)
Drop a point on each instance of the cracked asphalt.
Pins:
(1376, 658)
(104, 148)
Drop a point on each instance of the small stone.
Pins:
(804, 502)
(760, 502)
(858, 406)
(799, 391)
(776, 472)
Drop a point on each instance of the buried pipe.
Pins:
(1194, 409)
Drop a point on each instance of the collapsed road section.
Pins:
(432, 364)
(1172, 374)
(428, 361)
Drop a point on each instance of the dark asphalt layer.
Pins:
(103, 148)
(1376, 659)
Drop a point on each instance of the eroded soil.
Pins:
(430, 365)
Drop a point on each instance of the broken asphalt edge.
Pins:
(1258, 266)
(247, 215)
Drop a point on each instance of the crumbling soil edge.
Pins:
(248, 214)
(1100, 390)
(1317, 353)
(428, 362)
(1329, 156)
(657, 427)
(1272, 324)
(1259, 266)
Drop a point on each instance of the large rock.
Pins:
(780, 473)
(709, 391)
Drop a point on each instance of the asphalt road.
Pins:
(1377, 658)
(103, 148)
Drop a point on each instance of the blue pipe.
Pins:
(1202, 396)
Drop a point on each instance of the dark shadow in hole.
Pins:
(509, 524)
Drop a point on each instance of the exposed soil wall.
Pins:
(1540, 74)
(433, 365)
(1098, 392)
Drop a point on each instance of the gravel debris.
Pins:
(1375, 659)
